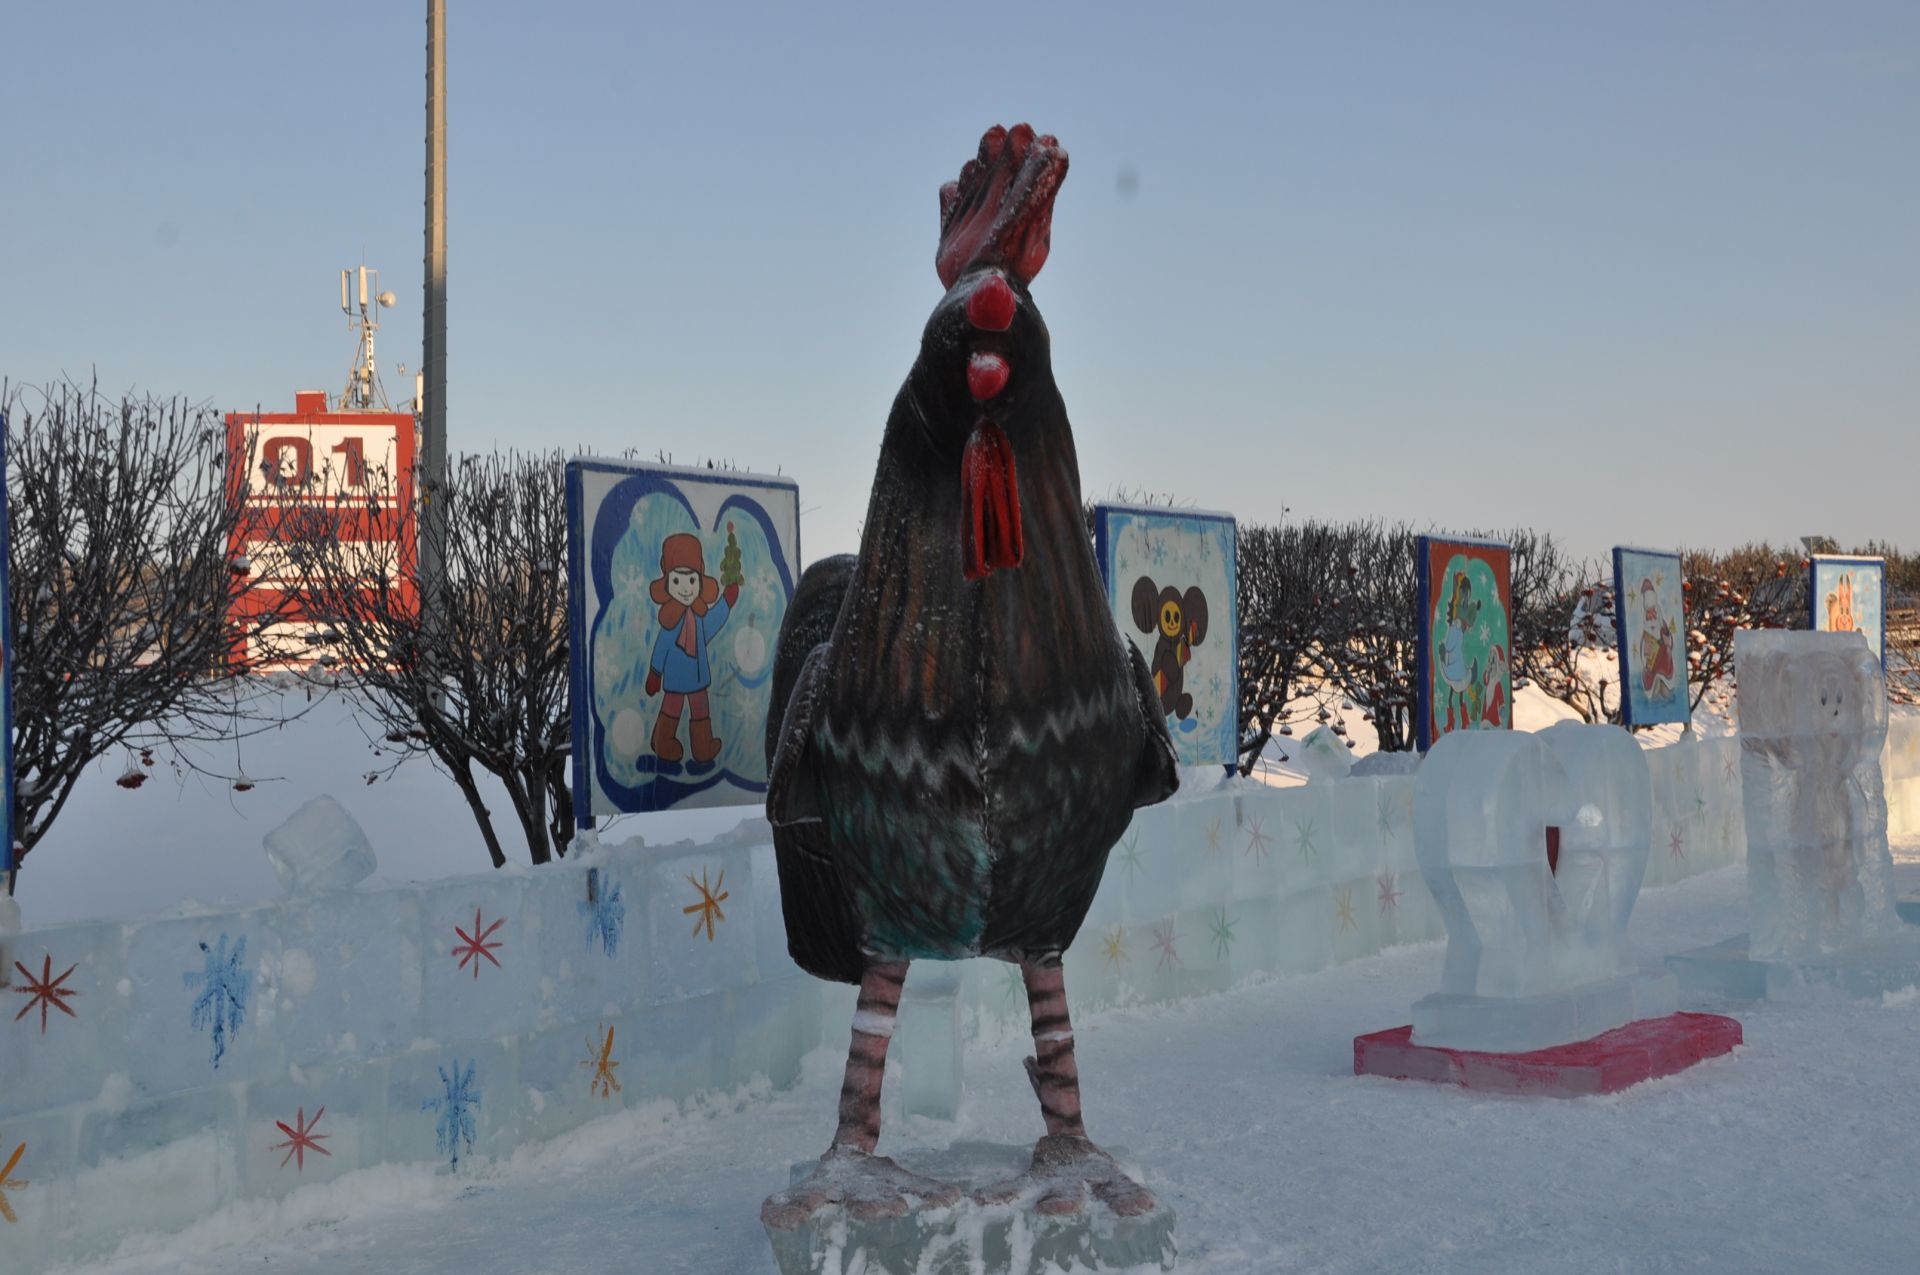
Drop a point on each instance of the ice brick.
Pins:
(350, 976)
(452, 1105)
(319, 848)
(926, 1041)
(483, 961)
(68, 1029)
(1813, 724)
(699, 910)
(770, 955)
(775, 1025)
(46, 1208)
(592, 921)
(311, 1124)
(156, 1166)
(204, 1000)
(574, 1071)
(1202, 845)
(1324, 756)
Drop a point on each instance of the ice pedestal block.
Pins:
(1534, 848)
(1813, 725)
(1325, 755)
(1728, 971)
(320, 847)
(1610, 1062)
(968, 1237)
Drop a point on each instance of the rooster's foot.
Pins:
(1065, 1169)
(870, 1186)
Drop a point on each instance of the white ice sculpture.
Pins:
(1535, 956)
(1813, 722)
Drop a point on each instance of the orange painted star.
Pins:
(10, 1183)
(709, 905)
(604, 1082)
(46, 991)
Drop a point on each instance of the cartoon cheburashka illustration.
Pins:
(1656, 645)
(693, 609)
(1181, 621)
(1451, 646)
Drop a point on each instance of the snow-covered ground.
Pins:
(1794, 1154)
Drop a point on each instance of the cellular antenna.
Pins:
(361, 300)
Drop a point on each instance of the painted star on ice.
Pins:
(1012, 984)
(1163, 942)
(1730, 769)
(1115, 943)
(1213, 837)
(1303, 841)
(1388, 828)
(46, 992)
(1222, 928)
(1389, 896)
(1131, 854)
(456, 1124)
(1677, 844)
(603, 1081)
(709, 905)
(224, 988)
(10, 1183)
(1343, 909)
(301, 1139)
(478, 944)
(1257, 839)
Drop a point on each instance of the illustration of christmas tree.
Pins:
(730, 572)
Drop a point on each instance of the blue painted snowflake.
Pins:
(224, 987)
(455, 1104)
(603, 912)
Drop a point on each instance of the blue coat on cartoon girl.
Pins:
(693, 610)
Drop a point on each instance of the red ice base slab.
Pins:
(1608, 1063)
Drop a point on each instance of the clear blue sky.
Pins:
(1629, 272)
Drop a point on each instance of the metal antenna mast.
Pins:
(433, 354)
(363, 382)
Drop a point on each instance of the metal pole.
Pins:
(433, 354)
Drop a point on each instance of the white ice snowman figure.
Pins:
(1534, 847)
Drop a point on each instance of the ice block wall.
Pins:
(157, 1069)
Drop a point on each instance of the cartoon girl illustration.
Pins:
(1462, 610)
(693, 610)
(1656, 645)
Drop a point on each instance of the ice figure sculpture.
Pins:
(1534, 847)
(1324, 756)
(1813, 722)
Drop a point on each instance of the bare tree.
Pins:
(121, 519)
(469, 669)
(1372, 647)
(1286, 584)
(1563, 621)
(1753, 587)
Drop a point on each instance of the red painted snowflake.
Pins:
(1677, 844)
(301, 1139)
(476, 945)
(46, 991)
(1257, 840)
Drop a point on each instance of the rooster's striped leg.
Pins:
(867, 1057)
(1055, 1075)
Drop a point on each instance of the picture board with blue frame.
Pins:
(678, 582)
(1171, 585)
(1650, 624)
(1848, 593)
(1464, 636)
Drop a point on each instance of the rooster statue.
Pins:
(965, 733)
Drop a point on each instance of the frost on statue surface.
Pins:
(1534, 847)
(1813, 723)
